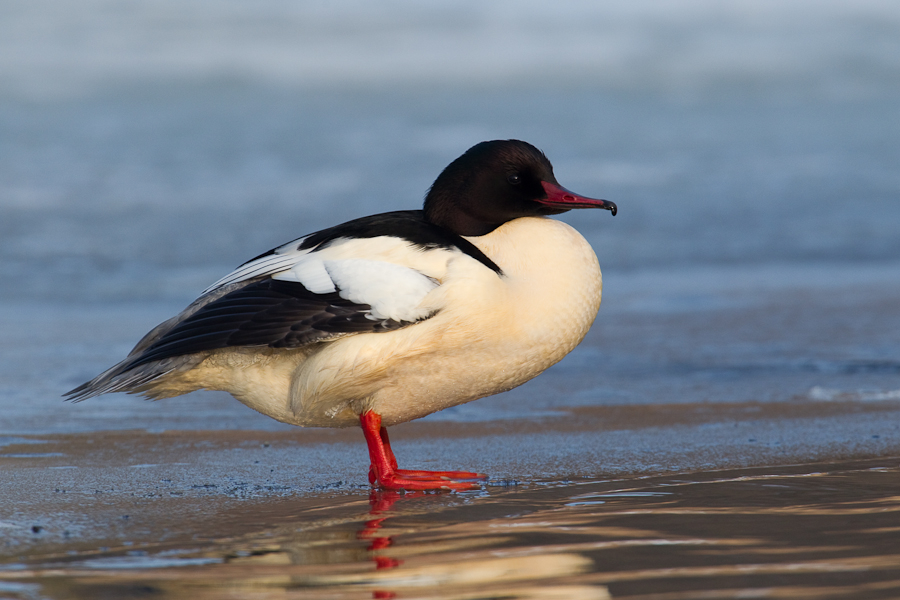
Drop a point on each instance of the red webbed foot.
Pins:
(426, 480)
(385, 473)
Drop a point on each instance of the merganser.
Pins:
(391, 317)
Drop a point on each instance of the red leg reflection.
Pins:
(381, 502)
(384, 471)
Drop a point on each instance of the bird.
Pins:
(391, 317)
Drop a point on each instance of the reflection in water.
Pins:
(381, 502)
(815, 531)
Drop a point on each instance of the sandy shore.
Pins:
(82, 491)
(816, 530)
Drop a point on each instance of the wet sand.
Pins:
(691, 501)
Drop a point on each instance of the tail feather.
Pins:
(131, 378)
(123, 378)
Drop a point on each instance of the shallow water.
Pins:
(804, 531)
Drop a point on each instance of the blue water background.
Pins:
(752, 148)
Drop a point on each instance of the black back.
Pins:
(409, 225)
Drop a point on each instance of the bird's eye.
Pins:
(514, 179)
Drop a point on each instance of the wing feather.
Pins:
(273, 313)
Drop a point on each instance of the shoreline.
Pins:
(82, 488)
(826, 529)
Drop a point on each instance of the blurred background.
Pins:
(752, 148)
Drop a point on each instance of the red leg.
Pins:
(385, 473)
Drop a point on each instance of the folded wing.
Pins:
(285, 299)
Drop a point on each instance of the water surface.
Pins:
(804, 531)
